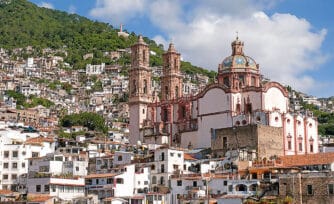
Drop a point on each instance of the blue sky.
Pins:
(292, 40)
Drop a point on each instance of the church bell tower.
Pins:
(171, 81)
(140, 92)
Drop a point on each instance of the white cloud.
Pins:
(46, 5)
(285, 46)
(117, 11)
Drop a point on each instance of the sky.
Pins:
(291, 40)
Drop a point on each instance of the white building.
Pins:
(60, 175)
(15, 147)
(95, 69)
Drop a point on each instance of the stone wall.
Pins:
(307, 187)
(265, 140)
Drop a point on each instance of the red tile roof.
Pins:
(38, 198)
(308, 159)
(5, 192)
(188, 157)
(39, 140)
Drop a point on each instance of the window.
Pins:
(172, 154)
(289, 145)
(5, 176)
(195, 183)
(162, 180)
(14, 165)
(311, 147)
(89, 182)
(6, 154)
(175, 167)
(119, 180)
(110, 180)
(14, 176)
(179, 155)
(23, 164)
(331, 189)
(120, 158)
(166, 91)
(176, 92)
(253, 80)
(38, 188)
(145, 86)
(145, 182)
(179, 182)
(225, 183)
(46, 188)
(162, 156)
(5, 165)
(152, 167)
(226, 81)
(134, 86)
(34, 154)
(53, 188)
(300, 146)
(162, 168)
(309, 189)
(77, 168)
(15, 154)
(154, 180)
(230, 188)
(224, 142)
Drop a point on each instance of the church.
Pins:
(240, 111)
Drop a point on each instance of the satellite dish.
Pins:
(139, 143)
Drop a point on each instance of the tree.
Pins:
(92, 121)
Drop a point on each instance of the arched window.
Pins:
(144, 56)
(166, 91)
(226, 81)
(162, 180)
(154, 180)
(145, 86)
(176, 92)
(134, 86)
(253, 81)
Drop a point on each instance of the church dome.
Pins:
(238, 61)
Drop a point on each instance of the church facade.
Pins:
(238, 99)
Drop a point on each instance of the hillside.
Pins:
(23, 24)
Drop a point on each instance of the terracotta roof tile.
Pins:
(188, 157)
(308, 159)
(4, 192)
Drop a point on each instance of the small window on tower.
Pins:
(227, 81)
(166, 91)
(253, 80)
(176, 92)
(134, 86)
(144, 56)
(145, 86)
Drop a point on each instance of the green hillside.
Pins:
(23, 24)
